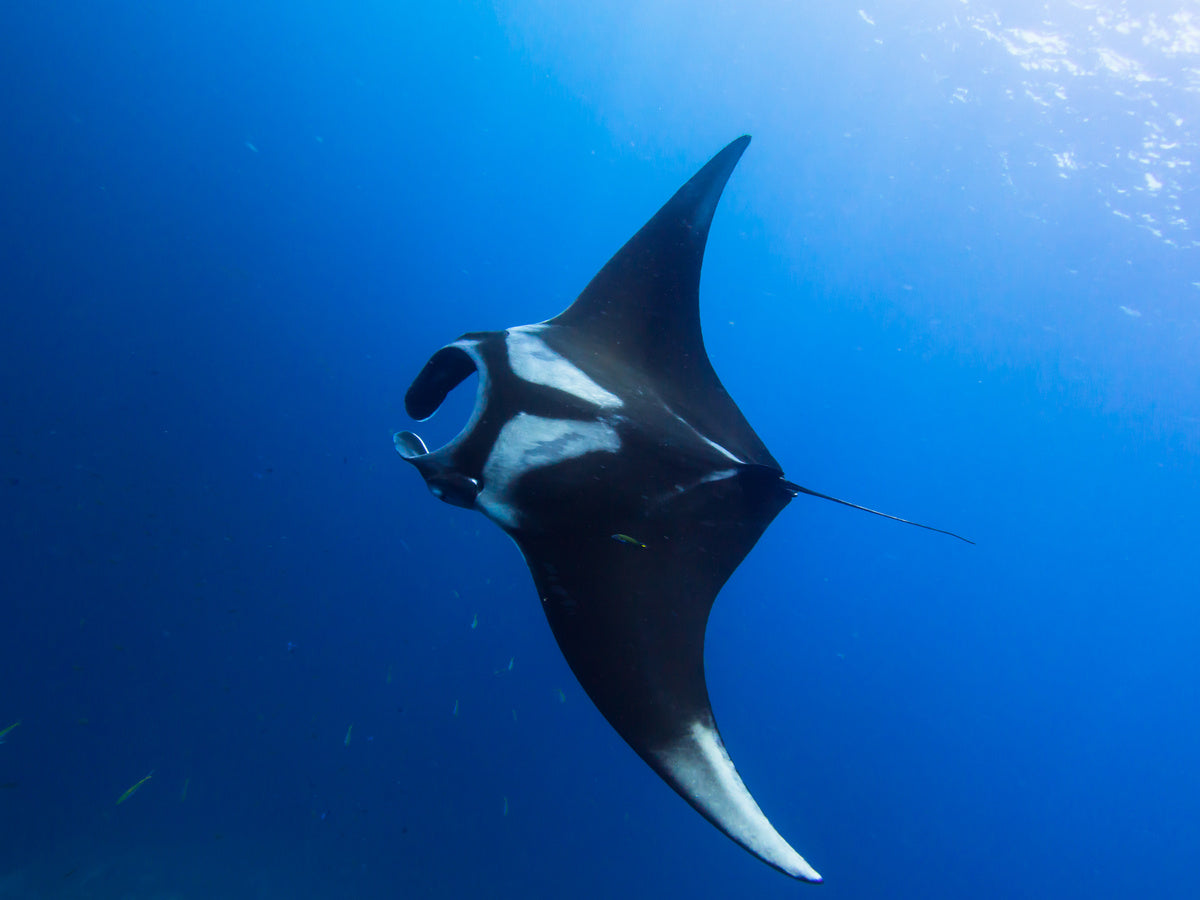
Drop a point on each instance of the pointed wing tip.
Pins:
(698, 766)
(735, 148)
(784, 858)
(808, 874)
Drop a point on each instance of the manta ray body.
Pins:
(605, 446)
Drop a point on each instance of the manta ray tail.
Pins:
(797, 489)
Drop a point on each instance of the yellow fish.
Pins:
(626, 539)
(129, 793)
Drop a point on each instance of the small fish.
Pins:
(562, 698)
(346, 743)
(250, 146)
(5, 732)
(183, 793)
(505, 806)
(475, 621)
(129, 793)
(388, 680)
(626, 539)
(455, 713)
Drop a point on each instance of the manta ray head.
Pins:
(536, 415)
(448, 471)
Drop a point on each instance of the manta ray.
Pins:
(605, 446)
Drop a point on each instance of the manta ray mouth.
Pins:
(448, 368)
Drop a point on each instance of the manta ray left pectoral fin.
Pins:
(628, 601)
(642, 665)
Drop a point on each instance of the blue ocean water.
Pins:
(955, 277)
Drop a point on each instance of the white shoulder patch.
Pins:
(528, 442)
(533, 361)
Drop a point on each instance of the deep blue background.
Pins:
(232, 233)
